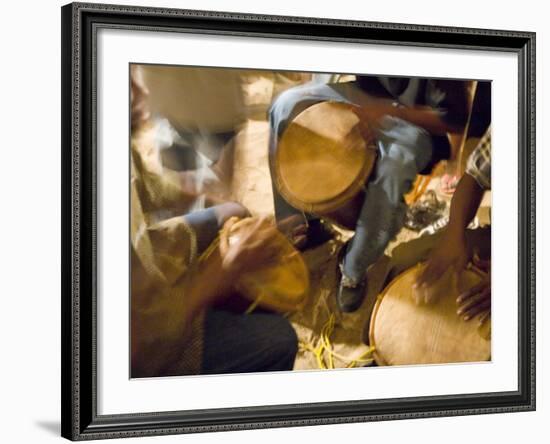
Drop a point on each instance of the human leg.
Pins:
(240, 343)
(404, 150)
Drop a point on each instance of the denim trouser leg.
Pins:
(238, 343)
(404, 150)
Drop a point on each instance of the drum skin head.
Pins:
(322, 160)
(282, 286)
(404, 333)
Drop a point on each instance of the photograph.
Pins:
(274, 222)
(284, 221)
(292, 221)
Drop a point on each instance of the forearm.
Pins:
(464, 205)
(422, 116)
(426, 118)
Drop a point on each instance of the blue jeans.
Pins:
(403, 150)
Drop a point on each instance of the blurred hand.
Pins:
(254, 248)
(451, 253)
(295, 229)
(477, 300)
(371, 113)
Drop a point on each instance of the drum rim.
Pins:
(376, 355)
(335, 202)
(280, 307)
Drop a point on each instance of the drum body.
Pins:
(404, 333)
(281, 286)
(323, 161)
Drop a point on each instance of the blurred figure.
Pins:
(152, 137)
(207, 109)
(452, 251)
(174, 330)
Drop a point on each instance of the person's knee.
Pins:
(396, 177)
(285, 341)
(291, 340)
(407, 141)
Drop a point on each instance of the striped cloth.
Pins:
(479, 162)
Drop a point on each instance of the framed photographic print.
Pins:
(280, 221)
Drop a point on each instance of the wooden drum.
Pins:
(404, 333)
(282, 286)
(323, 160)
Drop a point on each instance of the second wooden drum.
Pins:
(405, 333)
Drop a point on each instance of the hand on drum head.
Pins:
(369, 118)
(256, 246)
(429, 294)
(451, 255)
(295, 229)
(477, 300)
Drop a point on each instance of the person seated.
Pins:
(452, 251)
(178, 276)
(412, 117)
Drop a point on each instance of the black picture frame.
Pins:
(79, 209)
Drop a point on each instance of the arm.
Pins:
(446, 109)
(162, 325)
(464, 206)
(423, 116)
(254, 249)
(451, 251)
